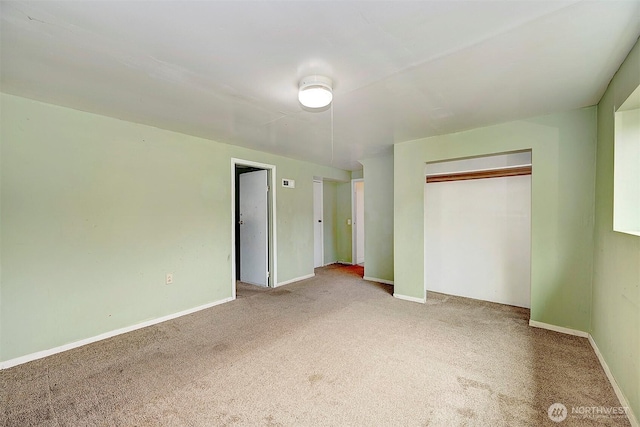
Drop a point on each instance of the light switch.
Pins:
(288, 183)
(348, 221)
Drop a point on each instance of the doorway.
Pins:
(253, 224)
(318, 224)
(357, 215)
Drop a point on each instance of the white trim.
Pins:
(621, 397)
(297, 279)
(354, 237)
(40, 354)
(560, 329)
(375, 279)
(273, 246)
(408, 298)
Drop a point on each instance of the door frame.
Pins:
(271, 220)
(354, 236)
(314, 223)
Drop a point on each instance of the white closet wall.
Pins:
(478, 235)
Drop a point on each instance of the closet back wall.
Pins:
(478, 233)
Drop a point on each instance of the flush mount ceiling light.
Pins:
(315, 92)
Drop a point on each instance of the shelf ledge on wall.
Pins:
(480, 174)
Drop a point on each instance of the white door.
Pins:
(254, 228)
(318, 225)
(359, 221)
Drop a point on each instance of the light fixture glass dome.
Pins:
(315, 92)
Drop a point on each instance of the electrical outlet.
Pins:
(169, 278)
(348, 221)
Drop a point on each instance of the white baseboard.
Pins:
(297, 279)
(375, 279)
(621, 397)
(560, 329)
(44, 353)
(408, 298)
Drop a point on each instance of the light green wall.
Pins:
(615, 323)
(378, 217)
(563, 152)
(329, 217)
(357, 174)
(343, 229)
(95, 211)
(1, 231)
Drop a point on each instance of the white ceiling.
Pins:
(229, 71)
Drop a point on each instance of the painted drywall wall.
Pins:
(95, 212)
(615, 320)
(563, 157)
(1, 232)
(343, 228)
(378, 217)
(357, 174)
(479, 163)
(329, 214)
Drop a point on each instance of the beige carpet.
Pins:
(333, 350)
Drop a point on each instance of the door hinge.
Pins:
(268, 188)
(268, 274)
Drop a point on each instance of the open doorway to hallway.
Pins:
(253, 229)
(357, 214)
